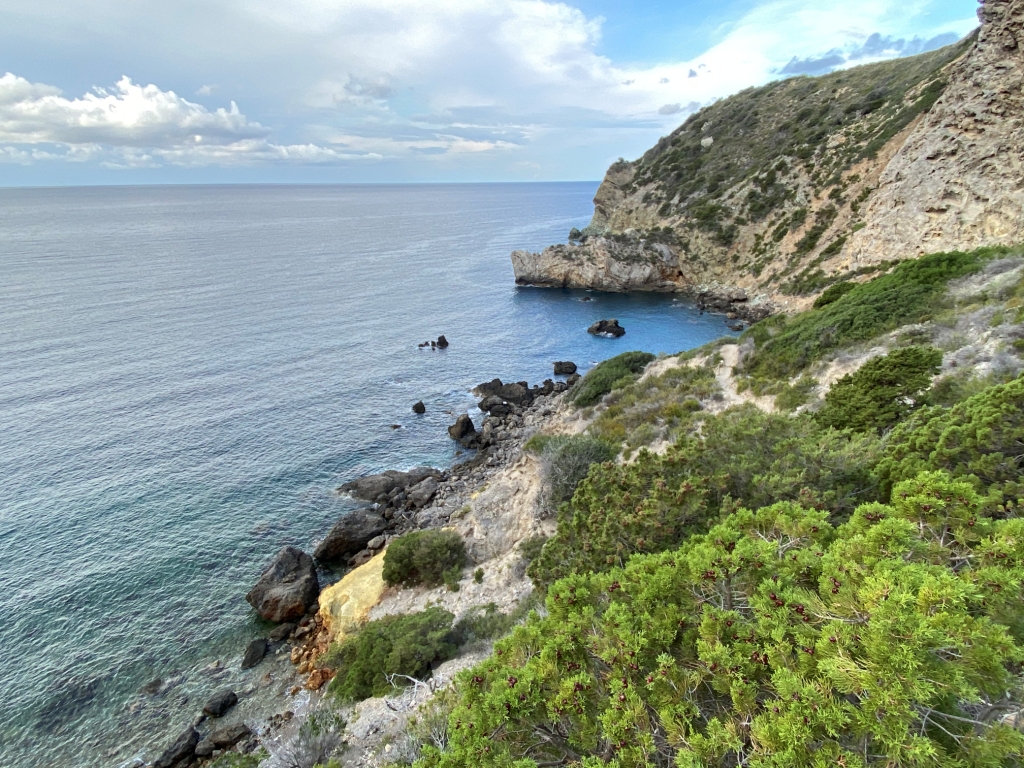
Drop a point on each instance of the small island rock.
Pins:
(564, 368)
(442, 342)
(462, 427)
(419, 408)
(287, 588)
(609, 328)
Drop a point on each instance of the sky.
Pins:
(333, 91)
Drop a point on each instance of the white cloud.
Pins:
(137, 126)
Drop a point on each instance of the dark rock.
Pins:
(181, 752)
(205, 748)
(462, 427)
(361, 558)
(254, 653)
(564, 368)
(586, 298)
(610, 328)
(376, 542)
(419, 408)
(489, 402)
(561, 386)
(220, 703)
(286, 588)
(351, 532)
(488, 388)
(281, 632)
(515, 393)
(229, 735)
(421, 493)
(442, 342)
(573, 379)
(735, 325)
(372, 487)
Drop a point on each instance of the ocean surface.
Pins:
(186, 374)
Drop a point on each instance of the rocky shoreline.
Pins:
(288, 592)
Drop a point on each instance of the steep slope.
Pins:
(786, 189)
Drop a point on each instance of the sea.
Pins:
(186, 375)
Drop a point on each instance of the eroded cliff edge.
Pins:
(784, 190)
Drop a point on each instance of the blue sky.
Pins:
(198, 91)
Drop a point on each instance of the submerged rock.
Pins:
(350, 534)
(254, 653)
(609, 328)
(287, 588)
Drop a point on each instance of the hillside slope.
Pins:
(786, 189)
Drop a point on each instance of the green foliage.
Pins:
(657, 407)
(428, 557)
(979, 439)
(530, 548)
(907, 294)
(882, 392)
(614, 372)
(833, 293)
(395, 645)
(741, 456)
(486, 622)
(567, 459)
(792, 396)
(239, 760)
(478, 576)
(775, 640)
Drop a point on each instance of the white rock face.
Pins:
(958, 181)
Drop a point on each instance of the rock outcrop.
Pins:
(287, 588)
(350, 535)
(958, 181)
(786, 189)
(609, 328)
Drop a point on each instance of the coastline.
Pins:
(492, 498)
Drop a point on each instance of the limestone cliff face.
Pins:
(787, 189)
(958, 180)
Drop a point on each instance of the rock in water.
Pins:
(220, 703)
(287, 588)
(350, 535)
(421, 493)
(181, 752)
(419, 408)
(254, 653)
(442, 342)
(462, 427)
(609, 328)
(281, 632)
(564, 368)
(372, 486)
(229, 735)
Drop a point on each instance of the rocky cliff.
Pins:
(786, 189)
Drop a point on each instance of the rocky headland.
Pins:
(784, 190)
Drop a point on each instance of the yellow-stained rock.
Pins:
(345, 605)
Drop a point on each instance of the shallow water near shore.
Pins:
(186, 373)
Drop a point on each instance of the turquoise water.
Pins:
(185, 375)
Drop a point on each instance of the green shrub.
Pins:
(530, 548)
(774, 640)
(478, 576)
(567, 459)
(833, 293)
(791, 396)
(882, 392)
(486, 622)
(605, 376)
(741, 456)
(979, 439)
(395, 645)
(424, 557)
(909, 293)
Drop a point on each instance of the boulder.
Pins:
(515, 393)
(361, 558)
(489, 402)
(254, 653)
(181, 752)
(421, 493)
(609, 328)
(735, 325)
(462, 427)
(287, 588)
(737, 294)
(229, 735)
(488, 388)
(281, 632)
(205, 748)
(371, 487)
(376, 542)
(564, 368)
(573, 379)
(442, 342)
(220, 703)
(350, 534)
(419, 408)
